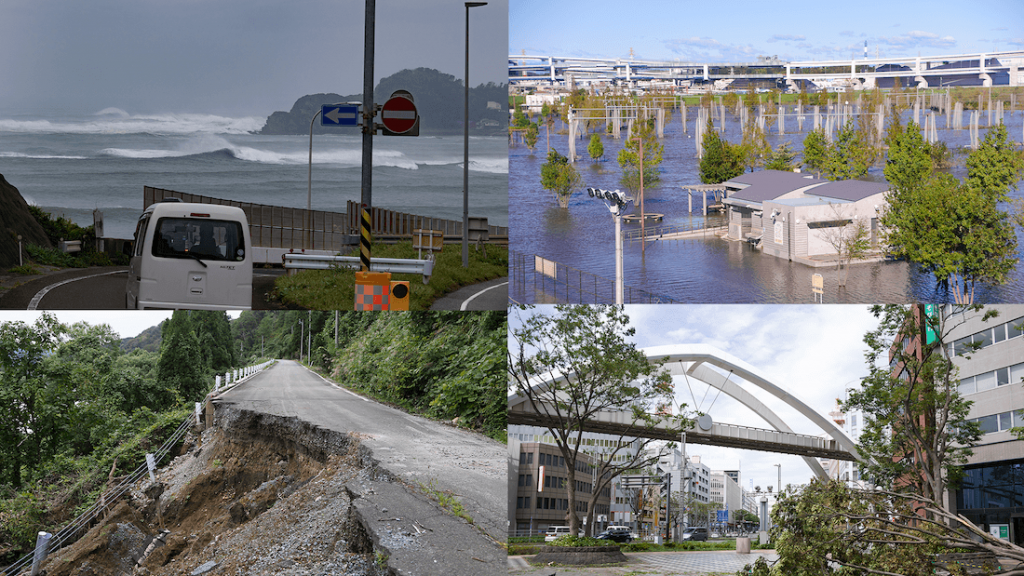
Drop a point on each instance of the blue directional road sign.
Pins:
(339, 115)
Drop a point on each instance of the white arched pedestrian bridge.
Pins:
(706, 364)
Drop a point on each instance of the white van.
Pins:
(554, 532)
(195, 256)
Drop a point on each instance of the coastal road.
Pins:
(103, 288)
(474, 467)
(490, 295)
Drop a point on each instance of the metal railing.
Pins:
(537, 280)
(658, 232)
(393, 265)
(77, 527)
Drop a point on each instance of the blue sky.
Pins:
(741, 31)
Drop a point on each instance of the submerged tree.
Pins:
(815, 149)
(721, 160)
(848, 157)
(559, 176)
(596, 148)
(592, 366)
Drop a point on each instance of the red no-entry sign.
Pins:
(399, 114)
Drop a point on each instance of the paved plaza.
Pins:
(650, 564)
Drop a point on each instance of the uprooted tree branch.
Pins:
(828, 524)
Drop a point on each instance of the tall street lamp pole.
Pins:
(465, 149)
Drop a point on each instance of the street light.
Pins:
(465, 149)
(615, 201)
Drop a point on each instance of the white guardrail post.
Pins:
(42, 547)
(393, 265)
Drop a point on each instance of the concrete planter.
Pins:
(743, 545)
(578, 556)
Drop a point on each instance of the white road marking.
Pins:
(39, 296)
(471, 298)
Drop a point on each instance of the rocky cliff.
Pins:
(439, 100)
(15, 219)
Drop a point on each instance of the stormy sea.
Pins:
(72, 166)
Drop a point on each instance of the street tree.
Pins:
(916, 434)
(588, 364)
(828, 525)
(560, 177)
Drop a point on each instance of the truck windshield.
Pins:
(199, 238)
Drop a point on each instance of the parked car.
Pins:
(554, 532)
(618, 534)
(695, 534)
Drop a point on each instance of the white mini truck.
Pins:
(192, 256)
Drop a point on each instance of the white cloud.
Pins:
(918, 39)
(709, 50)
(787, 38)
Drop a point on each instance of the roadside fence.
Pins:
(47, 543)
(537, 280)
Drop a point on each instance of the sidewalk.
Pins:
(651, 564)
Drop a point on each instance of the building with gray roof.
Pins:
(797, 216)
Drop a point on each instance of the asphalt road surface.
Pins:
(474, 467)
(103, 288)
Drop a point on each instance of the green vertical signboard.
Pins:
(931, 319)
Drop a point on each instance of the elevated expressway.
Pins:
(924, 71)
(698, 362)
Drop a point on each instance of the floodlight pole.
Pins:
(618, 259)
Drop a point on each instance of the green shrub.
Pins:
(576, 541)
(637, 547)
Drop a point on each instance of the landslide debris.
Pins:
(256, 495)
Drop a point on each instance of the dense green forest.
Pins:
(79, 405)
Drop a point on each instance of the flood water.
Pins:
(712, 270)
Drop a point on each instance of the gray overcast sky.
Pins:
(229, 57)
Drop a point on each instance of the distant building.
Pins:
(526, 513)
(542, 495)
(792, 215)
(851, 423)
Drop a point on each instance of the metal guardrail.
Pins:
(70, 533)
(393, 265)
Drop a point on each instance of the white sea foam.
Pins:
(490, 165)
(41, 156)
(116, 121)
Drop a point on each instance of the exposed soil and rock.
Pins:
(254, 495)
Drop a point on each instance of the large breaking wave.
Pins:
(215, 147)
